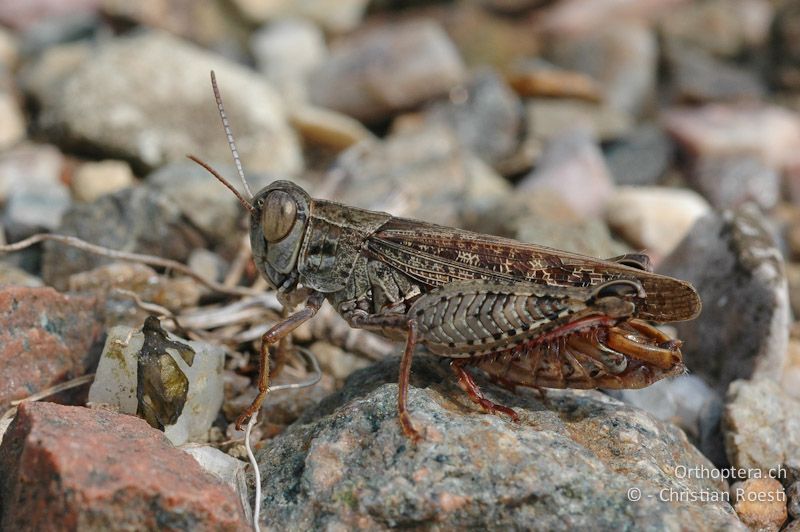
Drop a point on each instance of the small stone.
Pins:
(698, 77)
(170, 118)
(134, 219)
(689, 403)
(786, 47)
(92, 180)
(654, 219)
(424, 174)
(548, 118)
(336, 361)
(761, 504)
(641, 158)
(539, 79)
(29, 167)
(571, 162)
(588, 237)
(223, 466)
(485, 115)
(387, 70)
(113, 471)
(731, 180)
(793, 495)
(716, 130)
(725, 28)
(743, 331)
(174, 293)
(11, 275)
(572, 17)
(9, 50)
(621, 56)
(12, 122)
(335, 16)
(346, 464)
(207, 263)
(46, 338)
(115, 382)
(286, 52)
(24, 14)
(328, 129)
(761, 424)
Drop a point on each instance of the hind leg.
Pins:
(474, 392)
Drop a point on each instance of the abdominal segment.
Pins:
(630, 354)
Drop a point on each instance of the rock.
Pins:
(725, 28)
(793, 495)
(336, 16)
(52, 66)
(761, 425)
(731, 180)
(92, 180)
(61, 29)
(328, 129)
(576, 17)
(761, 504)
(689, 403)
(573, 174)
(485, 116)
(11, 275)
(588, 237)
(112, 471)
(698, 77)
(539, 79)
(621, 56)
(115, 382)
(31, 188)
(424, 175)
(158, 105)
(200, 198)
(732, 261)
(208, 264)
(46, 338)
(641, 158)
(286, 52)
(387, 70)
(790, 379)
(769, 132)
(654, 219)
(134, 219)
(785, 46)
(223, 466)
(12, 122)
(9, 50)
(336, 361)
(346, 464)
(24, 14)
(549, 118)
(174, 293)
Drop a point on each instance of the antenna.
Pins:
(229, 134)
(246, 204)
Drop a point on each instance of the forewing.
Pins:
(436, 255)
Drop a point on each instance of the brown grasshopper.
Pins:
(525, 314)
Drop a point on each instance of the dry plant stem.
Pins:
(47, 392)
(239, 263)
(149, 260)
(256, 473)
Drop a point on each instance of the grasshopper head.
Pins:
(277, 225)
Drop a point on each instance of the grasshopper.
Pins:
(525, 314)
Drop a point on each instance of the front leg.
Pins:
(275, 334)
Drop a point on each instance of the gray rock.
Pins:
(689, 403)
(744, 328)
(346, 464)
(135, 219)
(386, 70)
(286, 51)
(761, 425)
(729, 181)
(786, 48)
(201, 199)
(147, 98)
(550, 117)
(622, 56)
(641, 158)
(572, 174)
(698, 77)
(486, 116)
(425, 174)
(793, 504)
(30, 211)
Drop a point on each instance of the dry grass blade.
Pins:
(47, 392)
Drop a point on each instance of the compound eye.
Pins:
(278, 215)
